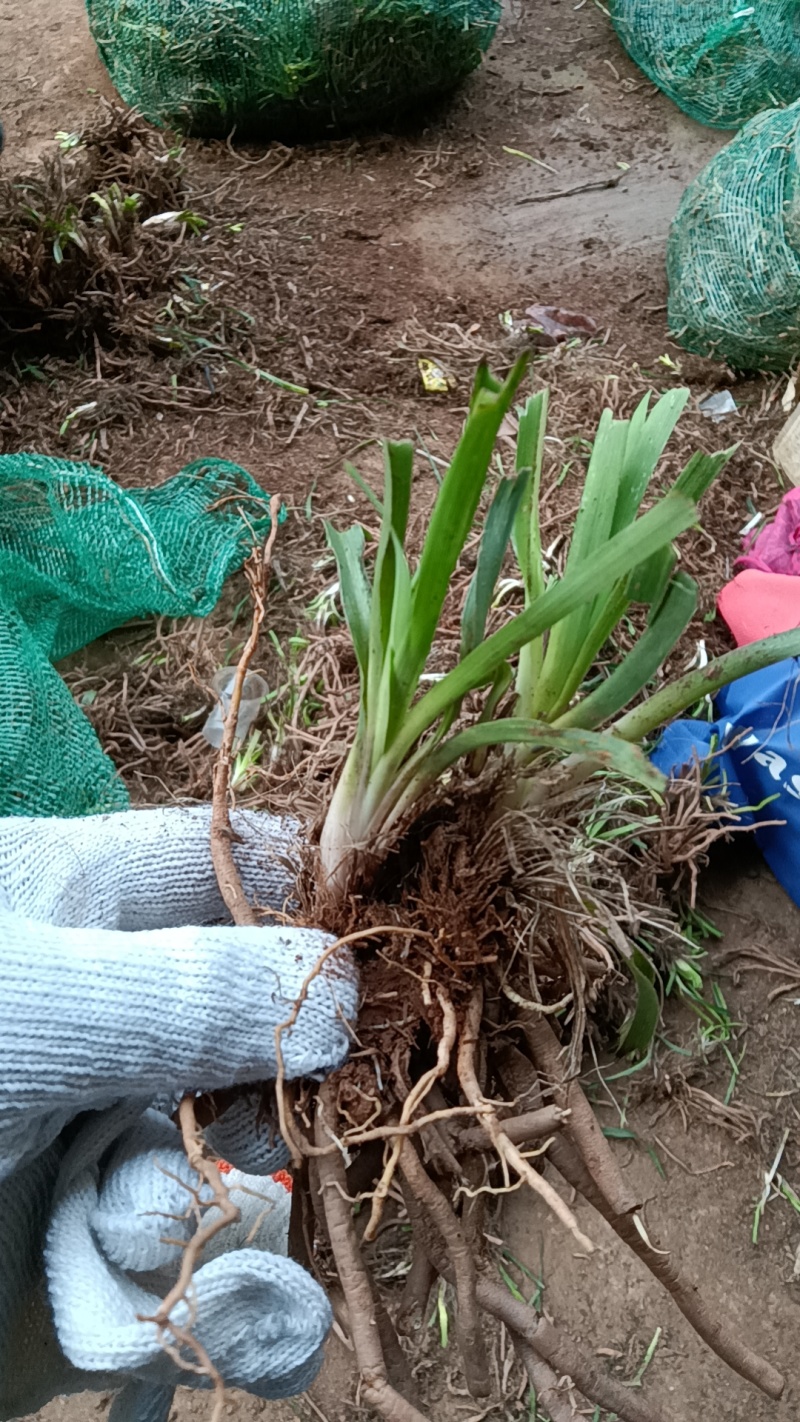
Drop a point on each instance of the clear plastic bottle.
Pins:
(253, 692)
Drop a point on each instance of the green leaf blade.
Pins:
(593, 529)
(348, 550)
(527, 538)
(659, 526)
(493, 546)
(629, 678)
(601, 752)
(647, 437)
(398, 471)
(452, 518)
(639, 1031)
(700, 473)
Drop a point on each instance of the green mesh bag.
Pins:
(721, 61)
(733, 256)
(283, 67)
(78, 557)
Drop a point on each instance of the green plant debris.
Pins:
(636, 1380)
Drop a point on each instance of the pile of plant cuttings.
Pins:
(93, 232)
(503, 857)
(114, 270)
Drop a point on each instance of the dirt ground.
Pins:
(353, 259)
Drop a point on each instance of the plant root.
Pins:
(415, 1096)
(182, 1338)
(584, 1127)
(527, 1129)
(566, 1155)
(506, 1150)
(545, 1383)
(230, 885)
(468, 1327)
(545, 1343)
(564, 1356)
(420, 1279)
(376, 1390)
(714, 1332)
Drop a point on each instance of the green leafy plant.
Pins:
(525, 680)
(246, 762)
(67, 141)
(61, 228)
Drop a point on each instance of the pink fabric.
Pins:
(756, 604)
(776, 549)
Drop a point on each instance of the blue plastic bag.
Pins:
(756, 745)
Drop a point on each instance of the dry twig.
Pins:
(595, 187)
(257, 570)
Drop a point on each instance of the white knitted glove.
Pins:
(111, 1002)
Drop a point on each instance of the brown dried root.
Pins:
(526, 1129)
(376, 1390)
(230, 884)
(420, 1279)
(567, 1154)
(714, 1332)
(301, 1149)
(584, 1127)
(545, 1383)
(468, 1328)
(546, 1343)
(564, 1356)
(182, 1337)
(509, 1154)
(257, 570)
(415, 1096)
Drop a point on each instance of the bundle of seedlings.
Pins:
(497, 844)
(90, 233)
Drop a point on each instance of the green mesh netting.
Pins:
(721, 61)
(278, 67)
(733, 256)
(78, 557)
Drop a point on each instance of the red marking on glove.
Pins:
(281, 1177)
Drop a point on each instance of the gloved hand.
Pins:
(116, 997)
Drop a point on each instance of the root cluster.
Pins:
(523, 1110)
(462, 1085)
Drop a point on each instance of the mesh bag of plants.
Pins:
(721, 61)
(733, 256)
(78, 557)
(278, 67)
